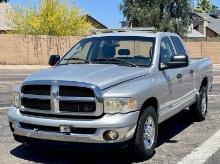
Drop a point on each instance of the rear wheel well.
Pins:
(150, 102)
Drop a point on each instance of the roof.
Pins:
(144, 34)
(205, 16)
(95, 22)
(215, 26)
(4, 23)
(195, 34)
(133, 33)
(213, 23)
(215, 13)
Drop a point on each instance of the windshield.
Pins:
(120, 50)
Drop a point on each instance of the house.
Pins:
(207, 24)
(4, 21)
(192, 33)
(94, 22)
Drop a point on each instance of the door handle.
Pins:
(179, 76)
(191, 71)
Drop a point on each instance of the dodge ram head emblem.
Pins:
(55, 82)
(54, 95)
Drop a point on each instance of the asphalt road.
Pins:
(178, 137)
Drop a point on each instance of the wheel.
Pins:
(199, 108)
(146, 134)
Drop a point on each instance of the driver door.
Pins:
(170, 82)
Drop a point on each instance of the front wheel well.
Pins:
(204, 82)
(150, 102)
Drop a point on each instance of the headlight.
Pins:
(119, 105)
(16, 99)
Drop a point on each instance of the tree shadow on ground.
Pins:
(167, 130)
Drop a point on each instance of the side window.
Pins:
(178, 45)
(166, 50)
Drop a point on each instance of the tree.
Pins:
(204, 6)
(214, 8)
(52, 17)
(3, 1)
(164, 15)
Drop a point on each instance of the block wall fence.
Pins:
(35, 50)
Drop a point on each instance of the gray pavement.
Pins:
(215, 159)
(178, 136)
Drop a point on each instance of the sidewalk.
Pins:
(216, 66)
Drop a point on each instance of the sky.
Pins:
(105, 11)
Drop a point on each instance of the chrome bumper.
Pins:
(124, 124)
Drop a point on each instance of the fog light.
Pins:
(110, 135)
(65, 129)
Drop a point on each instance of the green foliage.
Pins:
(3, 1)
(204, 6)
(53, 17)
(164, 15)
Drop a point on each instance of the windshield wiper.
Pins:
(77, 59)
(117, 60)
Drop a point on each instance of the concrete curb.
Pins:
(216, 65)
(4, 109)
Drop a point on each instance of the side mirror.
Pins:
(177, 61)
(180, 58)
(53, 59)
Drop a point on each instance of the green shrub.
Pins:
(52, 17)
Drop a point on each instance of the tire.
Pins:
(200, 108)
(142, 147)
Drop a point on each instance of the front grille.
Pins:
(56, 129)
(82, 107)
(36, 89)
(73, 91)
(35, 103)
(59, 99)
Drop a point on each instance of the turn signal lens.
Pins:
(132, 103)
(16, 99)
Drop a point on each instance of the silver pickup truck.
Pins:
(111, 90)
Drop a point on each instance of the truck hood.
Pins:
(101, 75)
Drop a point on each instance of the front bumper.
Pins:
(123, 124)
(63, 145)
